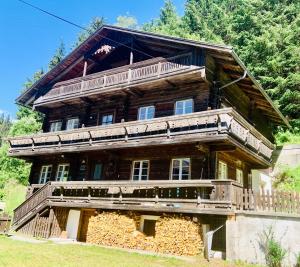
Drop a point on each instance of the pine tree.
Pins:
(58, 56)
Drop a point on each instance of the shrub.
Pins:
(298, 260)
(274, 253)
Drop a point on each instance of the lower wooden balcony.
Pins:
(206, 126)
(219, 197)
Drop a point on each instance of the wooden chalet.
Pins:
(140, 122)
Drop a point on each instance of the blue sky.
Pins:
(29, 38)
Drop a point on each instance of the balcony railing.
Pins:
(189, 196)
(206, 124)
(123, 76)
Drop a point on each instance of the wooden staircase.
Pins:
(31, 206)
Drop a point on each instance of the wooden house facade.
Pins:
(145, 123)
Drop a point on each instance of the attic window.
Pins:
(147, 224)
(104, 49)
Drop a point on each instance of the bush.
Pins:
(288, 179)
(298, 260)
(287, 137)
(274, 253)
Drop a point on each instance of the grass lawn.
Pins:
(23, 254)
(14, 195)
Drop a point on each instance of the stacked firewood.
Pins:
(173, 234)
(178, 235)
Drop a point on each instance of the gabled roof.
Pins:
(112, 34)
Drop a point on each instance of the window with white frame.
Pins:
(107, 119)
(62, 172)
(222, 170)
(239, 176)
(181, 169)
(140, 170)
(72, 123)
(55, 126)
(146, 113)
(45, 174)
(147, 224)
(184, 106)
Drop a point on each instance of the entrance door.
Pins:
(73, 223)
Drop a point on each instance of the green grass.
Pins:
(288, 179)
(23, 254)
(14, 195)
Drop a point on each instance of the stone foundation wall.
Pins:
(174, 234)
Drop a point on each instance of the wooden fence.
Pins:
(275, 201)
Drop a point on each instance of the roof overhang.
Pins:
(31, 94)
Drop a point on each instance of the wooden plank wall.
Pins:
(160, 164)
(59, 221)
(163, 100)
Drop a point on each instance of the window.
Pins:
(147, 224)
(222, 170)
(107, 119)
(72, 124)
(140, 170)
(55, 126)
(97, 171)
(184, 106)
(181, 169)
(62, 172)
(146, 113)
(239, 176)
(45, 174)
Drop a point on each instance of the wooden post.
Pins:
(32, 230)
(84, 68)
(131, 58)
(50, 221)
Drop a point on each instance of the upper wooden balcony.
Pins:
(122, 78)
(221, 125)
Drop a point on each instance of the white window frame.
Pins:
(107, 115)
(180, 169)
(140, 169)
(184, 104)
(64, 165)
(46, 173)
(54, 126)
(146, 112)
(73, 123)
(147, 217)
(222, 170)
(239, 175)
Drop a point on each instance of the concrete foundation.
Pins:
(245, 236)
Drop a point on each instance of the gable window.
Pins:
(140, 170)
(146, 113)
(181, 169)
(72, 123)
(222, 170)
(97, 171)
(107, 119)
(62, 172)
(184, 106)
(239, 176)
(45, 174)
(55, 126)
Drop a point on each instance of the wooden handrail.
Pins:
(228, 121)
(125, 74)
(32, 202)
(227, 195)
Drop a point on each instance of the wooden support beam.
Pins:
(84, 68)
(50, 221)
(219, 148)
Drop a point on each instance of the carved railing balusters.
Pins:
(221, 120)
